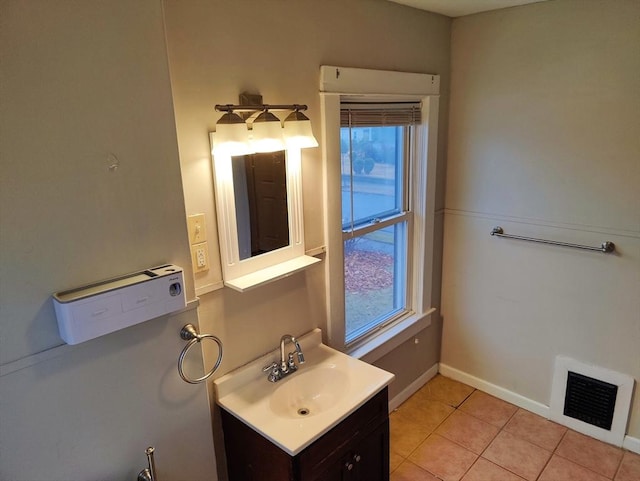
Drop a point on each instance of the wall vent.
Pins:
(591, 399)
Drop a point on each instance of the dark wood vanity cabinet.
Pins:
(357, 449)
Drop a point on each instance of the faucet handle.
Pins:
(274, 371)
(291, 363)
(273, 365)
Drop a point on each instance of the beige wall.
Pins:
(545, 142)
(218, 49)
(544, 124)
(81, 80)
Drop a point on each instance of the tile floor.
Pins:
(452, 432)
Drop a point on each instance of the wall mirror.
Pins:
(260, 194)
(260, 222)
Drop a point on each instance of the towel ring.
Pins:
(189, 333)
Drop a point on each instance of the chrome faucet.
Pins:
(287, 364)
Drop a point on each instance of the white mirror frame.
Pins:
(252, 272)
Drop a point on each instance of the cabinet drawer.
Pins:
(139, 296)
(97, 309)
(330, 447)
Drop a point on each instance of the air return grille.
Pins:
(590, 400)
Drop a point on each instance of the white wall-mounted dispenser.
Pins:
(98, 309)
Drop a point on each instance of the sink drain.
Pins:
(303, 411)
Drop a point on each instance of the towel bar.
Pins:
(606, 247)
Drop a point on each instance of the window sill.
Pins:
(390, 338)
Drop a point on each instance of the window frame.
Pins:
(339, 84)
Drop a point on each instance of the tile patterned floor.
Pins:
(452, 432)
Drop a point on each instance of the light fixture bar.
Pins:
(259, 107)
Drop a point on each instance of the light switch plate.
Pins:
(197, 229)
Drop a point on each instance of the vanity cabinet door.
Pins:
(329, 457)
(366, 460)
(370, 459)
(252, 457)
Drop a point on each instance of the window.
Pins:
(376, 157)
(379, 159)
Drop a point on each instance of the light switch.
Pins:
(200, 257)
(197, 229)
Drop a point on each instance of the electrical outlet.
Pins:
(200, 257)
(197, 229)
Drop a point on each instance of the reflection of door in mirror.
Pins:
(260, 190)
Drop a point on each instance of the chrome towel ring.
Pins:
(189, 333)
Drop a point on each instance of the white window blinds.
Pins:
(355, 114)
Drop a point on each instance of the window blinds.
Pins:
(379, 114)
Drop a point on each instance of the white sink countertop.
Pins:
(327, 388)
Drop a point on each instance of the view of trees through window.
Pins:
(375, 232)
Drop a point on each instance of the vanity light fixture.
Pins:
(231, 136)
(266, 133)
(259, 130)
(297, 131)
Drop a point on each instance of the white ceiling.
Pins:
(458, 8)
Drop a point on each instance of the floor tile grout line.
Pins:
(478, 456)
(502, 429)
(552, 450)
(433, 431)
(407, 460)
(467, 397)
(504, 467)
(465, 447)
(428, 436)
(586, 467)
(619, 464)
(472, 465)
(422, 468)
(618, 468)
(546, 464)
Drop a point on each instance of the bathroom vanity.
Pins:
(357, 449)
(327, 421)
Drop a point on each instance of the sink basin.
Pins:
(297, 410)
(310, 393)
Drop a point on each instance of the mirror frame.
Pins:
(253, 271)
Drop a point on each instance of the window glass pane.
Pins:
(375, 278)
(372, 163)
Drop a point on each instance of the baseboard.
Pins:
(630, 443)
(497, 391)
(407, 392)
